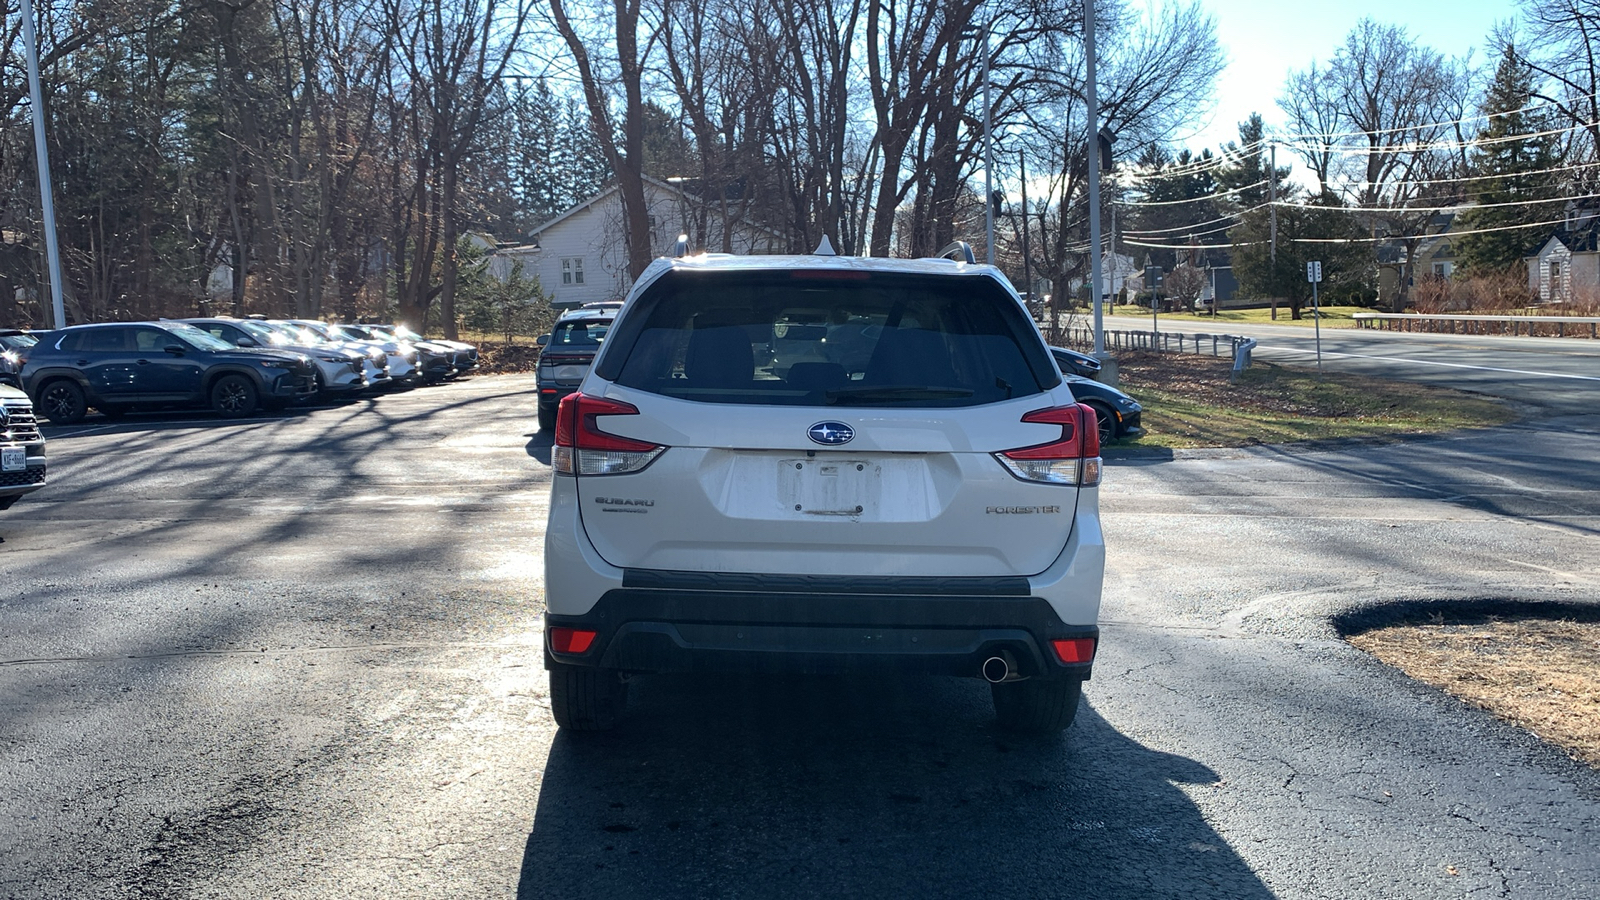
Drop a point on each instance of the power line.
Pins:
(1237, 190)
(1357, 185)
(1459, 207)
(1422, 237)
(1423, 146)
(1155, 246)
(1328, 136)
(1227, 218)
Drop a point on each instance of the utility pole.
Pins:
(1092, 152)
(1027, 272)
(1272, 210)
(41, 152)
(988, 152)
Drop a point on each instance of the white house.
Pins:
(580, 256)
(1567, 266)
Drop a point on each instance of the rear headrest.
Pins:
(816, 376)
(719, 357)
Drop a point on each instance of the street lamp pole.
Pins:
(1092, 152)
(47, 201)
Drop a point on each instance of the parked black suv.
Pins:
(569, 348)
(115, 367)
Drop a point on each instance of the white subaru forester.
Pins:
(823, 464)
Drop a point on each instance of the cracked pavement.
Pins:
(297, 657)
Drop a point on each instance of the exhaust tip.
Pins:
(995, 669)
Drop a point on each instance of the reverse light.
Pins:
(581, 448)
(1073, 651)
(571, 640)
(1071, 459)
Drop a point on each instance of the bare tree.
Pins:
(1562, 45)
(607, 56)
(451, 56)
(1390, 144)
(1156, 75)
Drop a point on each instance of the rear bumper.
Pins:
(551, 395)
(681, 622)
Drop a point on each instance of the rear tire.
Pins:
(584, 698)
(63, 403)
(1106, 422)
(233, 397)
(1037, 705)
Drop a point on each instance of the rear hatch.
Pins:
(808, 424)
(573, 343)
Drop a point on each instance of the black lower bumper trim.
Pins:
(655, 630)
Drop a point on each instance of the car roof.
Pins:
(781, 262)
(1075, 380)
(164, 323)
(728, 262)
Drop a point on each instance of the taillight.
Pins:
(581, 448)
(1074, 650)
(571, 640)
(1073, 458)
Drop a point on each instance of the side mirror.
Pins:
(543, 340)
(174, 349)
(247, 342)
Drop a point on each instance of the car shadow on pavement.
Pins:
(539, 443)
(838, 787)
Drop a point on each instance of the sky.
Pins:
(1266, 39)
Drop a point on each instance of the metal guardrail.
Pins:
(1471, 324)
(1239, 348)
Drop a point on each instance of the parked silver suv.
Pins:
(22, 462)
(823, 464)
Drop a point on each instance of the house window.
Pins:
(572, 270)
(1442, 269)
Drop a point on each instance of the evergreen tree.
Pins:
(1178, 193)
(1513, 168)
(1345, 266)
(1247, 172)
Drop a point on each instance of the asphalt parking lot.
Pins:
(296, 656)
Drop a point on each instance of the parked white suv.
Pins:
(823, 464)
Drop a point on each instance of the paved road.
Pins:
(296, 657)
(1559, 376)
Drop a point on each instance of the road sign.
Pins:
(1314, 271)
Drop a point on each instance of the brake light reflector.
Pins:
(571, 640)
(1074, 650)
(1073, 458)
(581, 448)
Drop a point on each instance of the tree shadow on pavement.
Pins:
(837, 787)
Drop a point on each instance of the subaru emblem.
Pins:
(831, 433)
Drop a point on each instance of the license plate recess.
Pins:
(823, 486)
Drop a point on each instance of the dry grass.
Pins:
(1539, 674)
(1189, 402)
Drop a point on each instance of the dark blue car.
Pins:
(116, 367)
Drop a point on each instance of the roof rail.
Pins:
(962, 247)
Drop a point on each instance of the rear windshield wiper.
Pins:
(895, 392)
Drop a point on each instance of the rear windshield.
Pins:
(829, 339)
(587, 333)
